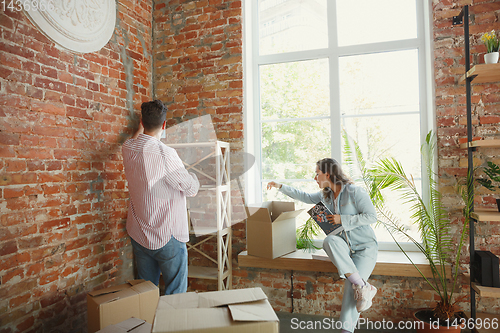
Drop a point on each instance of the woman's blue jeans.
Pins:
(171, 260)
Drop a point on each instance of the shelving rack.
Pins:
(209, 211)
(482, 73)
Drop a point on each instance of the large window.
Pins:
(318, 68)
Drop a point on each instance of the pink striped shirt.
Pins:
(158, 185)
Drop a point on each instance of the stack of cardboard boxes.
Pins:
(136, 307)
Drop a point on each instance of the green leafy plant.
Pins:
(493, 172)
(465, 187)
(305, 235)
(429, 215)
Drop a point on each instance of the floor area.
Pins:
(296, 322)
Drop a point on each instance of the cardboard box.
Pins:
(271, 230)
(131, 325)
(137, 298)
(228, 311)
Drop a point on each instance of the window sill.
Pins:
(390, 263)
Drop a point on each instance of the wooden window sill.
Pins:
(391, 263)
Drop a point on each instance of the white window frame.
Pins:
(252, 60)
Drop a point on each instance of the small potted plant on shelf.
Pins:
(493, 181)
(490, 39)
(437, 236)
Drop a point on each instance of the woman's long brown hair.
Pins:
(337, 176)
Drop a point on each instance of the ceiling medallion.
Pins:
(81, 26)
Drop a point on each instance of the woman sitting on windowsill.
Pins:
(354, 251)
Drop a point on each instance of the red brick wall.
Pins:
(199, 71)
(63, 194)
(451, 118)
(198, 63)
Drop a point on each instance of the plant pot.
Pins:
(491, 58)
(498, 204)
(427, 323)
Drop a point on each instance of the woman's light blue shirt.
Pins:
(355, 208)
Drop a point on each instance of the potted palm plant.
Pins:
(431, 218)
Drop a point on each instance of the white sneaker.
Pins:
(364, 295)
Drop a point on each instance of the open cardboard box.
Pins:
(131, 325)
(227, 311)
(271, 230)
(109, 306)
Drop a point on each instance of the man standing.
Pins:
(158, 186)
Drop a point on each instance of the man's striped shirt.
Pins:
(158, 185)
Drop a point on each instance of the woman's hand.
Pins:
(333, 219)
(270, 185)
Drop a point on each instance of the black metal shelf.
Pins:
(479, 74)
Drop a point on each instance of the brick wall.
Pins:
(185, 73)
(198, 63)
(197, 47)
(63, 117)
(63, 194)
(451, 118)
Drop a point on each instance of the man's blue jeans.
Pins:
(171, 260)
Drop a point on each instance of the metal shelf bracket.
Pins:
(459, 19)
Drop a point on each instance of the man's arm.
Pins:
(139, 131)
(179, 178)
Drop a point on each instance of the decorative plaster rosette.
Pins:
(81, 26)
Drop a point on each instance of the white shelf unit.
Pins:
(209, 211)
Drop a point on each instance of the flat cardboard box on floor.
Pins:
(131, 325)
(109, 306)
(227, 311)
(271, 229)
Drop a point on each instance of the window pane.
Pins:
(368, 21)
(388, 136)
(379, 83)
(403, 212)
(295, 89)
(291, 149)
(292, 25)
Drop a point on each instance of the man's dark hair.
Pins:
(154, 114)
